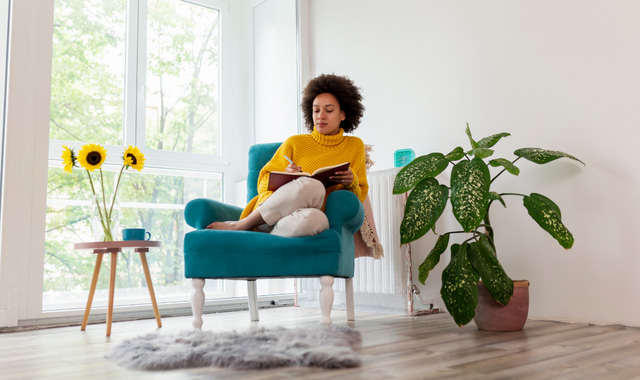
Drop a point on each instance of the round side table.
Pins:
(99, 248)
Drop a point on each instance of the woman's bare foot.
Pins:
(229, 226)
(247, 224)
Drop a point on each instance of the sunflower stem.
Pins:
(97, 202)
(116, 190)
(107, 231)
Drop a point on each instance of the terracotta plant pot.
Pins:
(492, 316)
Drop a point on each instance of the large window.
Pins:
(143, 73)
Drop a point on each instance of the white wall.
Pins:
(561, 75)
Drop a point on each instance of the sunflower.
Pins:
(134, 158)
(92, 156)
(69, 159)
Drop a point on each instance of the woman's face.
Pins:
(327, 114)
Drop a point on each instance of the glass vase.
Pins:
(105, 222)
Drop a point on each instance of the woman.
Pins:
(331, 105)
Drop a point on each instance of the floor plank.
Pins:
(393, 347)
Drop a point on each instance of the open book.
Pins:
(277, 179)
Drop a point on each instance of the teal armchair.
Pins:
(248, 255)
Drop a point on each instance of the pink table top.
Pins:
(118, 244)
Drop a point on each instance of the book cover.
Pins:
(277, 179)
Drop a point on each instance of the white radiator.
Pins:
(380, 286)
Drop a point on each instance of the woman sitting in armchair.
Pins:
(332, 106)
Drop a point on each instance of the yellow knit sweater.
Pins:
(313, 151)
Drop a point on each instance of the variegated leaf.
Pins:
(470, 182)
(547, 214)
(455, 154)
(490, 141)
(493, 196)
(511, 168)
(424, 206)
(483, 258)
(542, 156)
(417, 170)
(481, 152)
(473, 143)
(433, 258)
(460, 286)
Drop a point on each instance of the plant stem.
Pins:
(458, 232)
(116, 190)
(487, 227)
(488, 232)
(474, 237)
(107, 231)
(521, 195)
(97, 203)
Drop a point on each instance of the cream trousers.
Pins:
(295, 209)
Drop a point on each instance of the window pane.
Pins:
(152, 201)
(87, 74)
(182, 77)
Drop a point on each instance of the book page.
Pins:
(327, 168)
(294, 174)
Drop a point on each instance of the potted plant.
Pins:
(471, 198)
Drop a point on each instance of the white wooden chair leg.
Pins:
(326, 299)
(253, 300)
(197, 302)
(351, 316)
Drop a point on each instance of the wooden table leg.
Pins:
(92, 290)
(147, 275)
(112, 288)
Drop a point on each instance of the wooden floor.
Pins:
(393, 347)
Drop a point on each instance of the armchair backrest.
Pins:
(259, 155)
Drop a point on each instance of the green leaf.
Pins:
(433, 258)
(481, 152)
(483, 258)
(493, 196)
(455, 154)
(417, 170)
(547, 215)
(424, 206)
(460, 286)
(474, 144)
(470, 182)
(511, 168)
(542, 156)
(490, 141)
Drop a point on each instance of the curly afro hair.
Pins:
(343, 89)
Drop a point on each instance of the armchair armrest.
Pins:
(344, 209)
(201, 212)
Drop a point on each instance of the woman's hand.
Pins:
(343, 178)
(293, 168)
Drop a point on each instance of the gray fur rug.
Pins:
(322, 346)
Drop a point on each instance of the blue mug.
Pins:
(135, 234)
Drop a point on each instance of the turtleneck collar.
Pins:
(330, 140)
